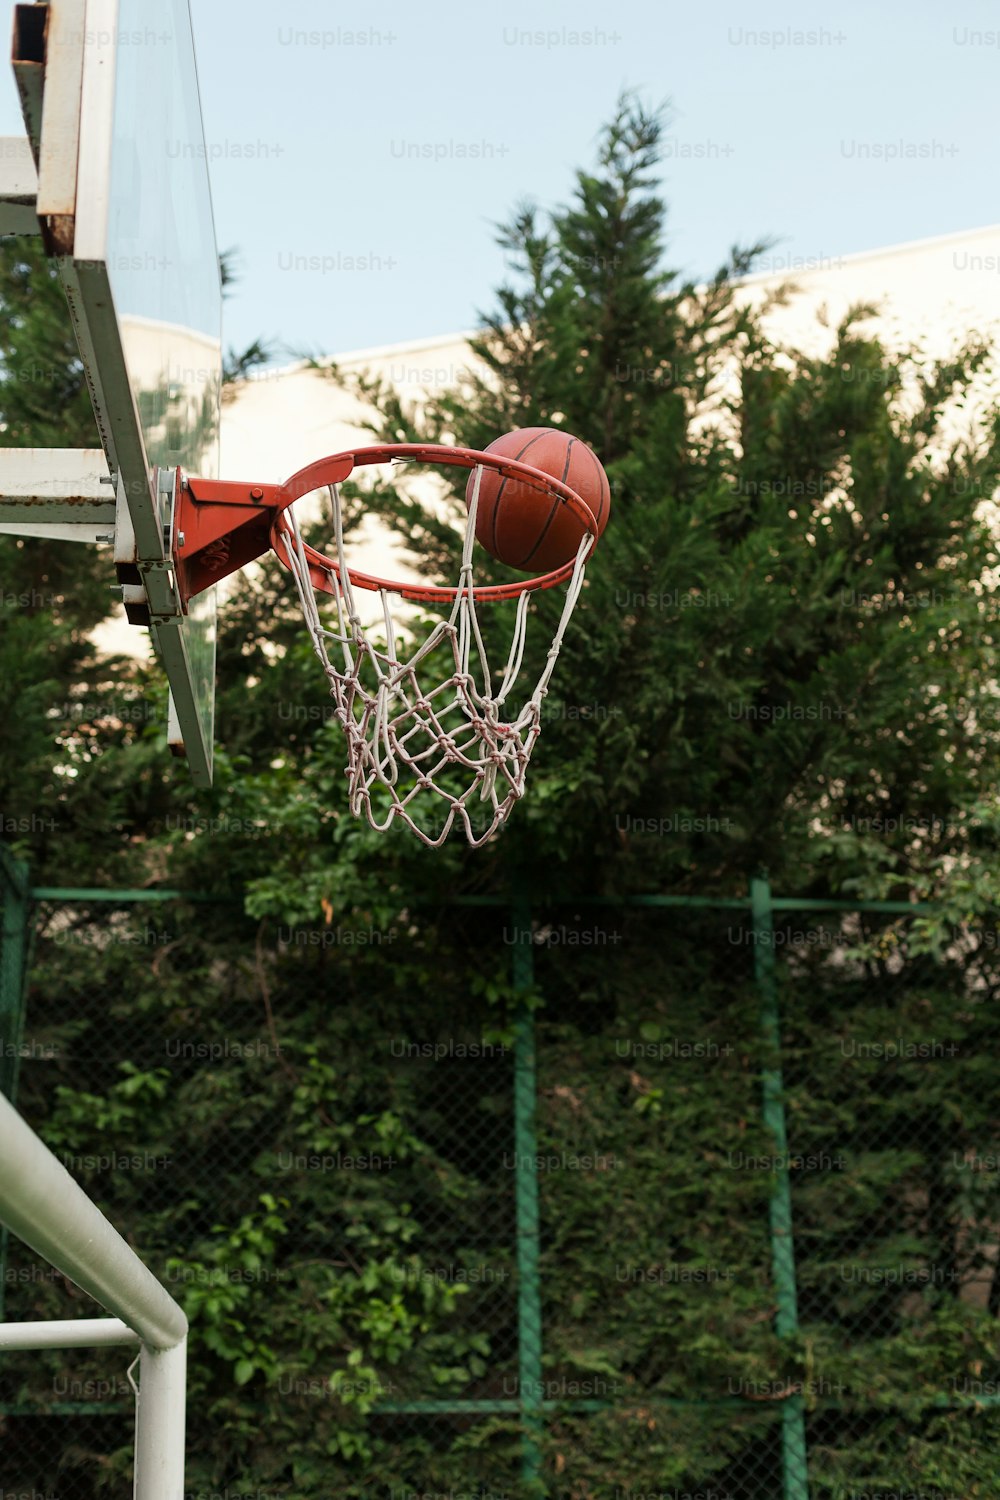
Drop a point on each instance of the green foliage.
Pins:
(792, 574)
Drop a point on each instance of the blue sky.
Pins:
(361, 154)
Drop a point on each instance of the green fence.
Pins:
(704, 1203)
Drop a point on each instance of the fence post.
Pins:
(529, 1306)
(794, 1455)
(13, 954)
(14, 903)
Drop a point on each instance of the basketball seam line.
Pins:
(503, 485)
(555, 505)
(602, 480)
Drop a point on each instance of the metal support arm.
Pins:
(44, 1207)
(64, 494)
(18, 187)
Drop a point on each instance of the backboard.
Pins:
(130, 223)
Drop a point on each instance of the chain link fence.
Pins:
(679, 1197)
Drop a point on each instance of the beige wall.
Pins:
(929, 292)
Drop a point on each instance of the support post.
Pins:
(529, 1309)
(794, 1454)
(15, 897)
(160, 1412)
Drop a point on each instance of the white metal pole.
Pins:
(71, 1333)
(160, 1414)
(44, 1207)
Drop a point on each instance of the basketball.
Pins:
(524, 526)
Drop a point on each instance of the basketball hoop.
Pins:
(425, 730)
(407, 725)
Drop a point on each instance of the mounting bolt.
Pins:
(105, 538)
(256, 494)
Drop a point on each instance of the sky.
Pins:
(361, 155)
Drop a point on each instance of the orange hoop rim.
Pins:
(339, 466)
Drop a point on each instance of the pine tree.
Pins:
(783, 644)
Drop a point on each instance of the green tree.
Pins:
(785, 647)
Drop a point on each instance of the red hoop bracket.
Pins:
(222, 525)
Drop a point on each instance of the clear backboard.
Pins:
(138, 259)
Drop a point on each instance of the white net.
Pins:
(429, 742)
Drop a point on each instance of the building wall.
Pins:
(930, 292)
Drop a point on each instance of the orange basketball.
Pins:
(522, 525)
